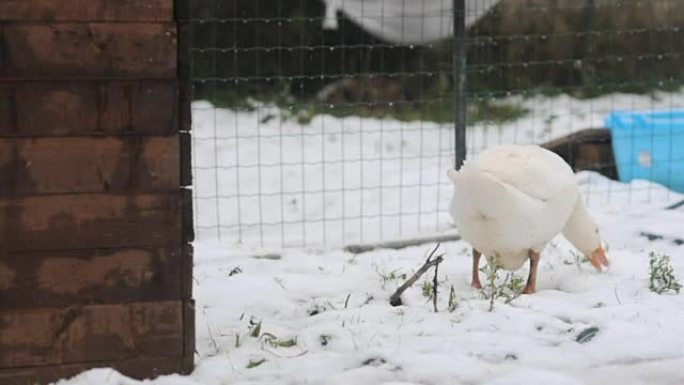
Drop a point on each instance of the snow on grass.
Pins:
(335, 306)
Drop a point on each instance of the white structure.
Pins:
(404, 21)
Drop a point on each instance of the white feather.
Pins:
(513, 198)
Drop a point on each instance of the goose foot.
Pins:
(529, 290)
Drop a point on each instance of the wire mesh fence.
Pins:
(332, 122)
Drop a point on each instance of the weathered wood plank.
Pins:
(82, 221)
(188, 225)
(182, 10)
(49, 336)
(184, 76)
(189, 334)
(86, 10)
(185, 109)
(87, 50)
(589, 149)
(140, 368)
(86, 164)
(62, 278)
(89, 108)
(186, 271)
(185, 159)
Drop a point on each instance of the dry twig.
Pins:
(395, 298)
(434, 288)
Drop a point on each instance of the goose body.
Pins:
(513, 199)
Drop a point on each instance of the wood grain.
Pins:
(48, 336)
(189, 330)
(185, 159)
(88, 50)
(141, 368)
(188, 225)
(187, 264)
(85, 164)
(83, 221)
(589, 149)
(65, 278)
(98, 107)
(86, 10)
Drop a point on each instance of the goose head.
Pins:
(584, 233)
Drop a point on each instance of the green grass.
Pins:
(438, 110)
(253, 363)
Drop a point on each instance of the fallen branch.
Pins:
(397, 245)
(395, 299)
(434, 288)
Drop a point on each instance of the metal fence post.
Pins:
(459, 72)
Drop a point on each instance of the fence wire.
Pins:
(327, 123)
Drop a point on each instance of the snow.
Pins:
(335, 304)
(270, 182)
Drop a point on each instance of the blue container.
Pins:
(649, 145)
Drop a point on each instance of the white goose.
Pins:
(512, 200)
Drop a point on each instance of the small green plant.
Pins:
(453, 302)
(391, 276)
(661, 274)
(278, 342)
(579, 259)
(254, 362)
(509, 289)
(254, 328)
(428, 289)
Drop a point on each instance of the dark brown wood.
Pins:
(87, 50)
(89, 10)
(49, 336)
(141, 367)
(188, 218)
(186, 263)
(64, 278)
(184, 110)
(185, 159)
(89, 108)
(86, 164)
(81, 221)
(95, 260)
(182, 10)
(184, 57)
(590, 135)
(182, 16)
(589, 149)
(189, 330)
(184, 65)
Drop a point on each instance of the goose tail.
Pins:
(452, 174)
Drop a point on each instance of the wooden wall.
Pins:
(95, 261)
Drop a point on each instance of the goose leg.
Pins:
(476, 271)
(531, 286)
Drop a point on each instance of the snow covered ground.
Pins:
(324, 313)
(334, 305)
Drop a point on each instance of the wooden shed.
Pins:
(95, 225)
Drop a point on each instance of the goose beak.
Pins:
(599, 259)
